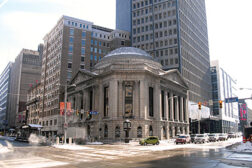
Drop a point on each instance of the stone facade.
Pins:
(128, 84)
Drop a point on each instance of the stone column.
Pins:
(144, 97)
(166, 105)
(113, 99)
(120, 97)
(157, 103)
(171, 107)
(101, 101)
(136, 112)
(181, 109)
(173, 131)
(177, 108)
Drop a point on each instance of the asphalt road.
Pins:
(23, 155)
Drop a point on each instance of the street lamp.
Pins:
(65, 111)
(127, 127)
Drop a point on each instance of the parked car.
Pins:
(183, 139)
(213, 137)
(231, 135)
(150, 140)
(192, 136)
(201, 138)
(223, 137)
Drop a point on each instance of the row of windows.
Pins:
(80, 25)
(49, 123)
(166, 62)
(150, 2)
(158, 44)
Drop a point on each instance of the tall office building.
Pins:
(223, 87)
(175, 33)
(25, 72)
(4, 96)
(71, 45)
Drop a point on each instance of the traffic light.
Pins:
(199, 105)
(220, 103)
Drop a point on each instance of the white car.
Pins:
(201, 138)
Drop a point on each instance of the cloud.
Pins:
(3, 3)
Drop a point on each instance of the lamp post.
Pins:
(65, 111)
(127, 127)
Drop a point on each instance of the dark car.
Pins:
(213, 137)
(150, 140)
(231, 135)
(223, 137)
(183, 139)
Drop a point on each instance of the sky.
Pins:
(24, 23)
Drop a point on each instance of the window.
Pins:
(162, 104)
(82, 51)
(100, 51)
(117, 132)
(164, 132)
(95, 42)
(70, 49)
(71, 40)
(105, 131)
(50, 122)
(150, 131)
(95, 50)
(92, 41)
(83, 43)
(106, 99)
(70, 56)
(95, 58)
(82, 59)
(128, 101)
(55, 121)
(139, 132)
(91, 49)
(82, 67)
(91, 57)
(83, 34)
(69, 65)
(71, 32)
(88, 130)
(151, 102)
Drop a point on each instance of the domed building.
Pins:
(128, 85)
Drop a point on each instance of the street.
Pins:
(23, 155)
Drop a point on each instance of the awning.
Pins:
(35, 126)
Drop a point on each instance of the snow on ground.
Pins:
(7, 138)
(5, 149)
(94, 143)
(244, 147)
(31, 162)
(71, 147)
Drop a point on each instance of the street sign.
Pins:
(93, 112)
(231, 100)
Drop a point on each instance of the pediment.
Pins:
(175, 76)
(81, 76)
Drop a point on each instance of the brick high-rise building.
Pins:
(175, 33)
(71, 45)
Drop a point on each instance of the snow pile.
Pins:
(244, 147)
(94, 143)
(36, 140)
(5, 149)
(71, 147)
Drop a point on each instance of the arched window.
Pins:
(105, 131)
(170, 132)
(164, 132)
(88, 130)
(139, 132)
(150, 131)
(117, 132)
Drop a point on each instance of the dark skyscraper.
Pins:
(175, 33)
